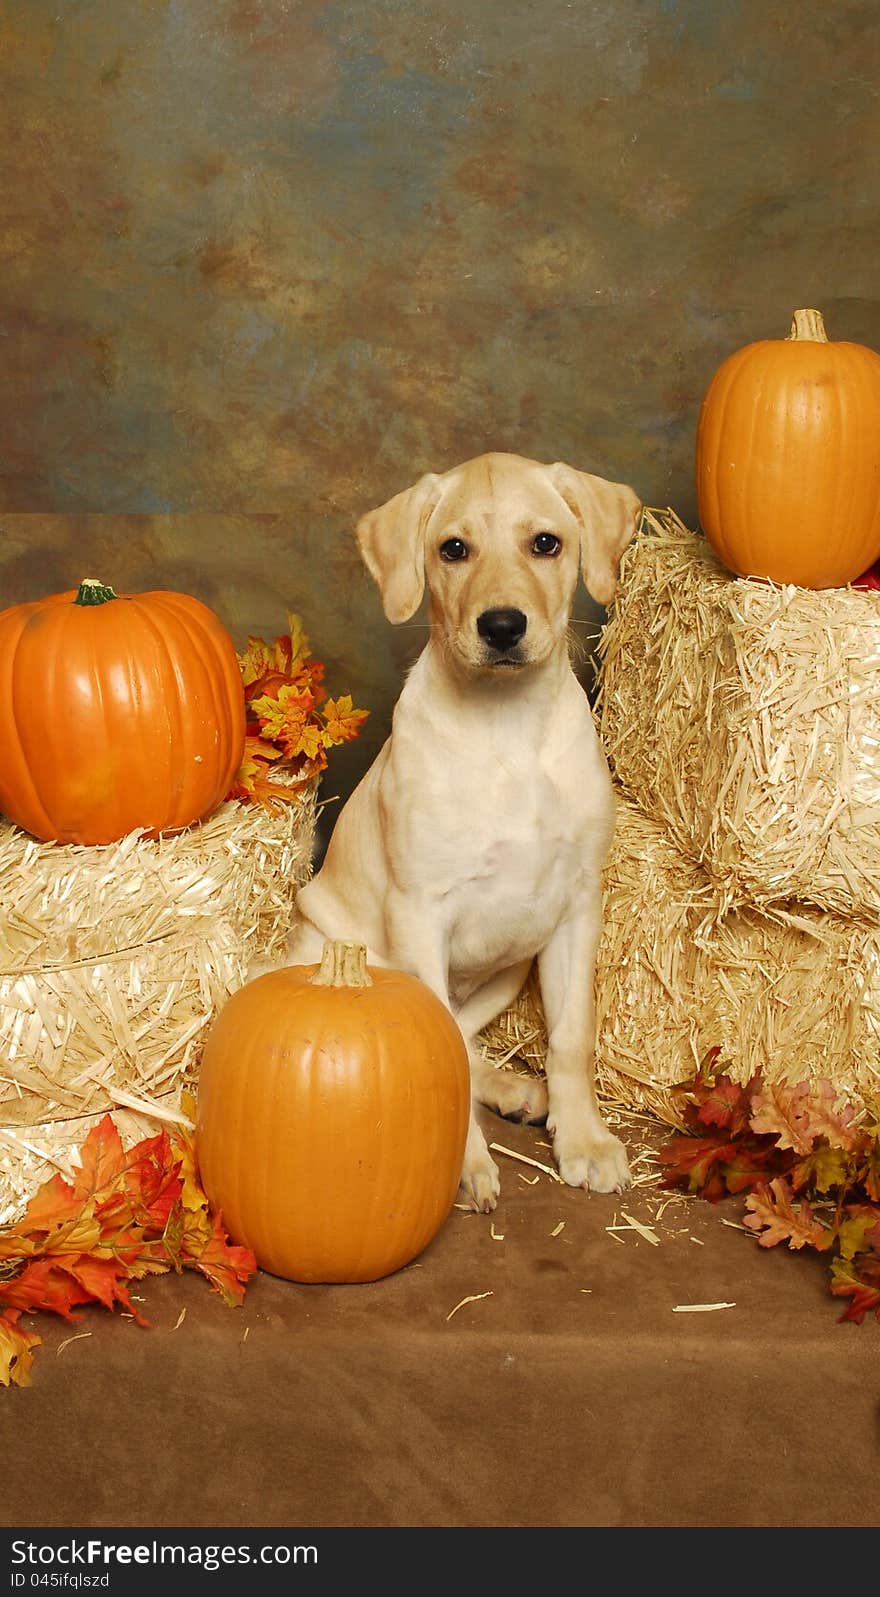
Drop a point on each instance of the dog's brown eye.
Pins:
(546, 543)
(454, 549)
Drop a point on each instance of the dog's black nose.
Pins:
(502, 629)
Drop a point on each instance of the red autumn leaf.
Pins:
(774, 1216)
(724, 1103)
(102, 1281)
(102, 1158)
(227, 1266)
(753, 1163)
(43, 1285)
(860, 1282)
(694, 1163)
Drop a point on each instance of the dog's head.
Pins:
(499, 541)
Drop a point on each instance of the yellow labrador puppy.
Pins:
(476, 840)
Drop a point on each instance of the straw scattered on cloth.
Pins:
(745, 718)
(114, 959)
(793, 992)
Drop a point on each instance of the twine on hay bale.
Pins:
(794, 994)
(114, 959)
(745, 717)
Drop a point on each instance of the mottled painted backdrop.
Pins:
(266, 261)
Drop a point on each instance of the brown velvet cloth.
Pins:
(572, 1396)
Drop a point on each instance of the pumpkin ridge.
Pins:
(167, 670)
(16, 769)
(189, 790)
(197, 615)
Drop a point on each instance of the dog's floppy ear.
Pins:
(392, 542)
(608, 513)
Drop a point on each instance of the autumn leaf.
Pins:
(126, 1214)
(341, 720)
(227, 1266)
(752, 1165)
(798, 1116)
(694, 1163)
(284, 719)
(724, 1103)
(16, 1350)
(869, 1163)
(859, 1231)
(43, 1285)
(256, 660)
(773, 1214)
(861, 1284)
(299, 643)
(795, 1142)
(285, 722)
(822, 1170)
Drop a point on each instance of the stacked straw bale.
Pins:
(741, 721)
(745, 718)
(114, 959)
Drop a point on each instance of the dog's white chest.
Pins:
(518, 853)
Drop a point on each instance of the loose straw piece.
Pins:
(700, 1308)
(66, 1343)
(524, 1159)
(556, 1229)
(643, 1230)
(474, 1298)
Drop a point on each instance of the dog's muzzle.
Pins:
(502, 629)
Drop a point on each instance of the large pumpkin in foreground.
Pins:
(788, 458)
(116, 712)
(332, 1115)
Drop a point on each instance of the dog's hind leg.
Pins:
(515, 1096)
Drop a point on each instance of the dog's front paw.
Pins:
(597, 1162)
(480, 1182)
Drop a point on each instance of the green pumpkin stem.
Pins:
(91, 591)
(808, 327)
(342, 965)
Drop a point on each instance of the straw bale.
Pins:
(795, 994)
(745, 717)
(114, 959)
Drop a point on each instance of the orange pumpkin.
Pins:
(116, 712)
(788, 458)
(332, 1114)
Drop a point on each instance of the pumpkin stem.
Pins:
(91, 591)
(342, 965)
(808, 326)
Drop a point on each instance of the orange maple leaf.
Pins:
(341, 720)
